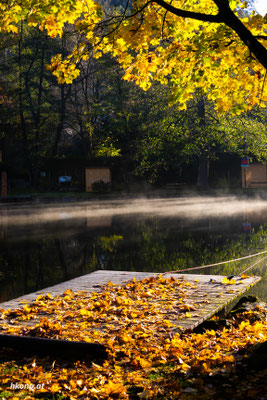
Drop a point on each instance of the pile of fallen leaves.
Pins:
(149, 357)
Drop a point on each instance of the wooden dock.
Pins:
(206, 293)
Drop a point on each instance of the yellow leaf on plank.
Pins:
(227, 281)
(113, 389)
(55, 388)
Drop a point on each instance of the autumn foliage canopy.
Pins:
(217, 46)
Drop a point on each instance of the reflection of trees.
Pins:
(169, 248)
(151, 245)
(61, 257)
(36, 264)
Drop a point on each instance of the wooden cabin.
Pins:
(254, 176)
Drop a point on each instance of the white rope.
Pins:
(220, 263)
(253, 265)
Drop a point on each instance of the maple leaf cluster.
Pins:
(151, 42)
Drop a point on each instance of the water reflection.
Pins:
(42, 245)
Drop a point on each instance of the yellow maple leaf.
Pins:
(26, 309)
(242, 325)
(114, 389)
(55, 388)
(205, 368)
(125, 337)
(143, 363)
(68, 292)
(227, 281)
(230, 359)
(185, 367)
(12, 28)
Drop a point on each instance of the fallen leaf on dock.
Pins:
(147, 357)
(227, 281)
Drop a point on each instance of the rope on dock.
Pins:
(253, 265)
(220, 263)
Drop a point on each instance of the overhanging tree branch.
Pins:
(253, 44)
(189, 14)
(227, 16)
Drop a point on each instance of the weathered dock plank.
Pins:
(206, 293)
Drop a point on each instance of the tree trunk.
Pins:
(62, 116)
(203, 164)
(203, 173)
(21, 104)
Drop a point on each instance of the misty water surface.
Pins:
(43, 244)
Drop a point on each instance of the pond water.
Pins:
(42, 244)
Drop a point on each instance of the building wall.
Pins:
(96, 174)
(254, 176)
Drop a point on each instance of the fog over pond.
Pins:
(187, 207)
(42, 244)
